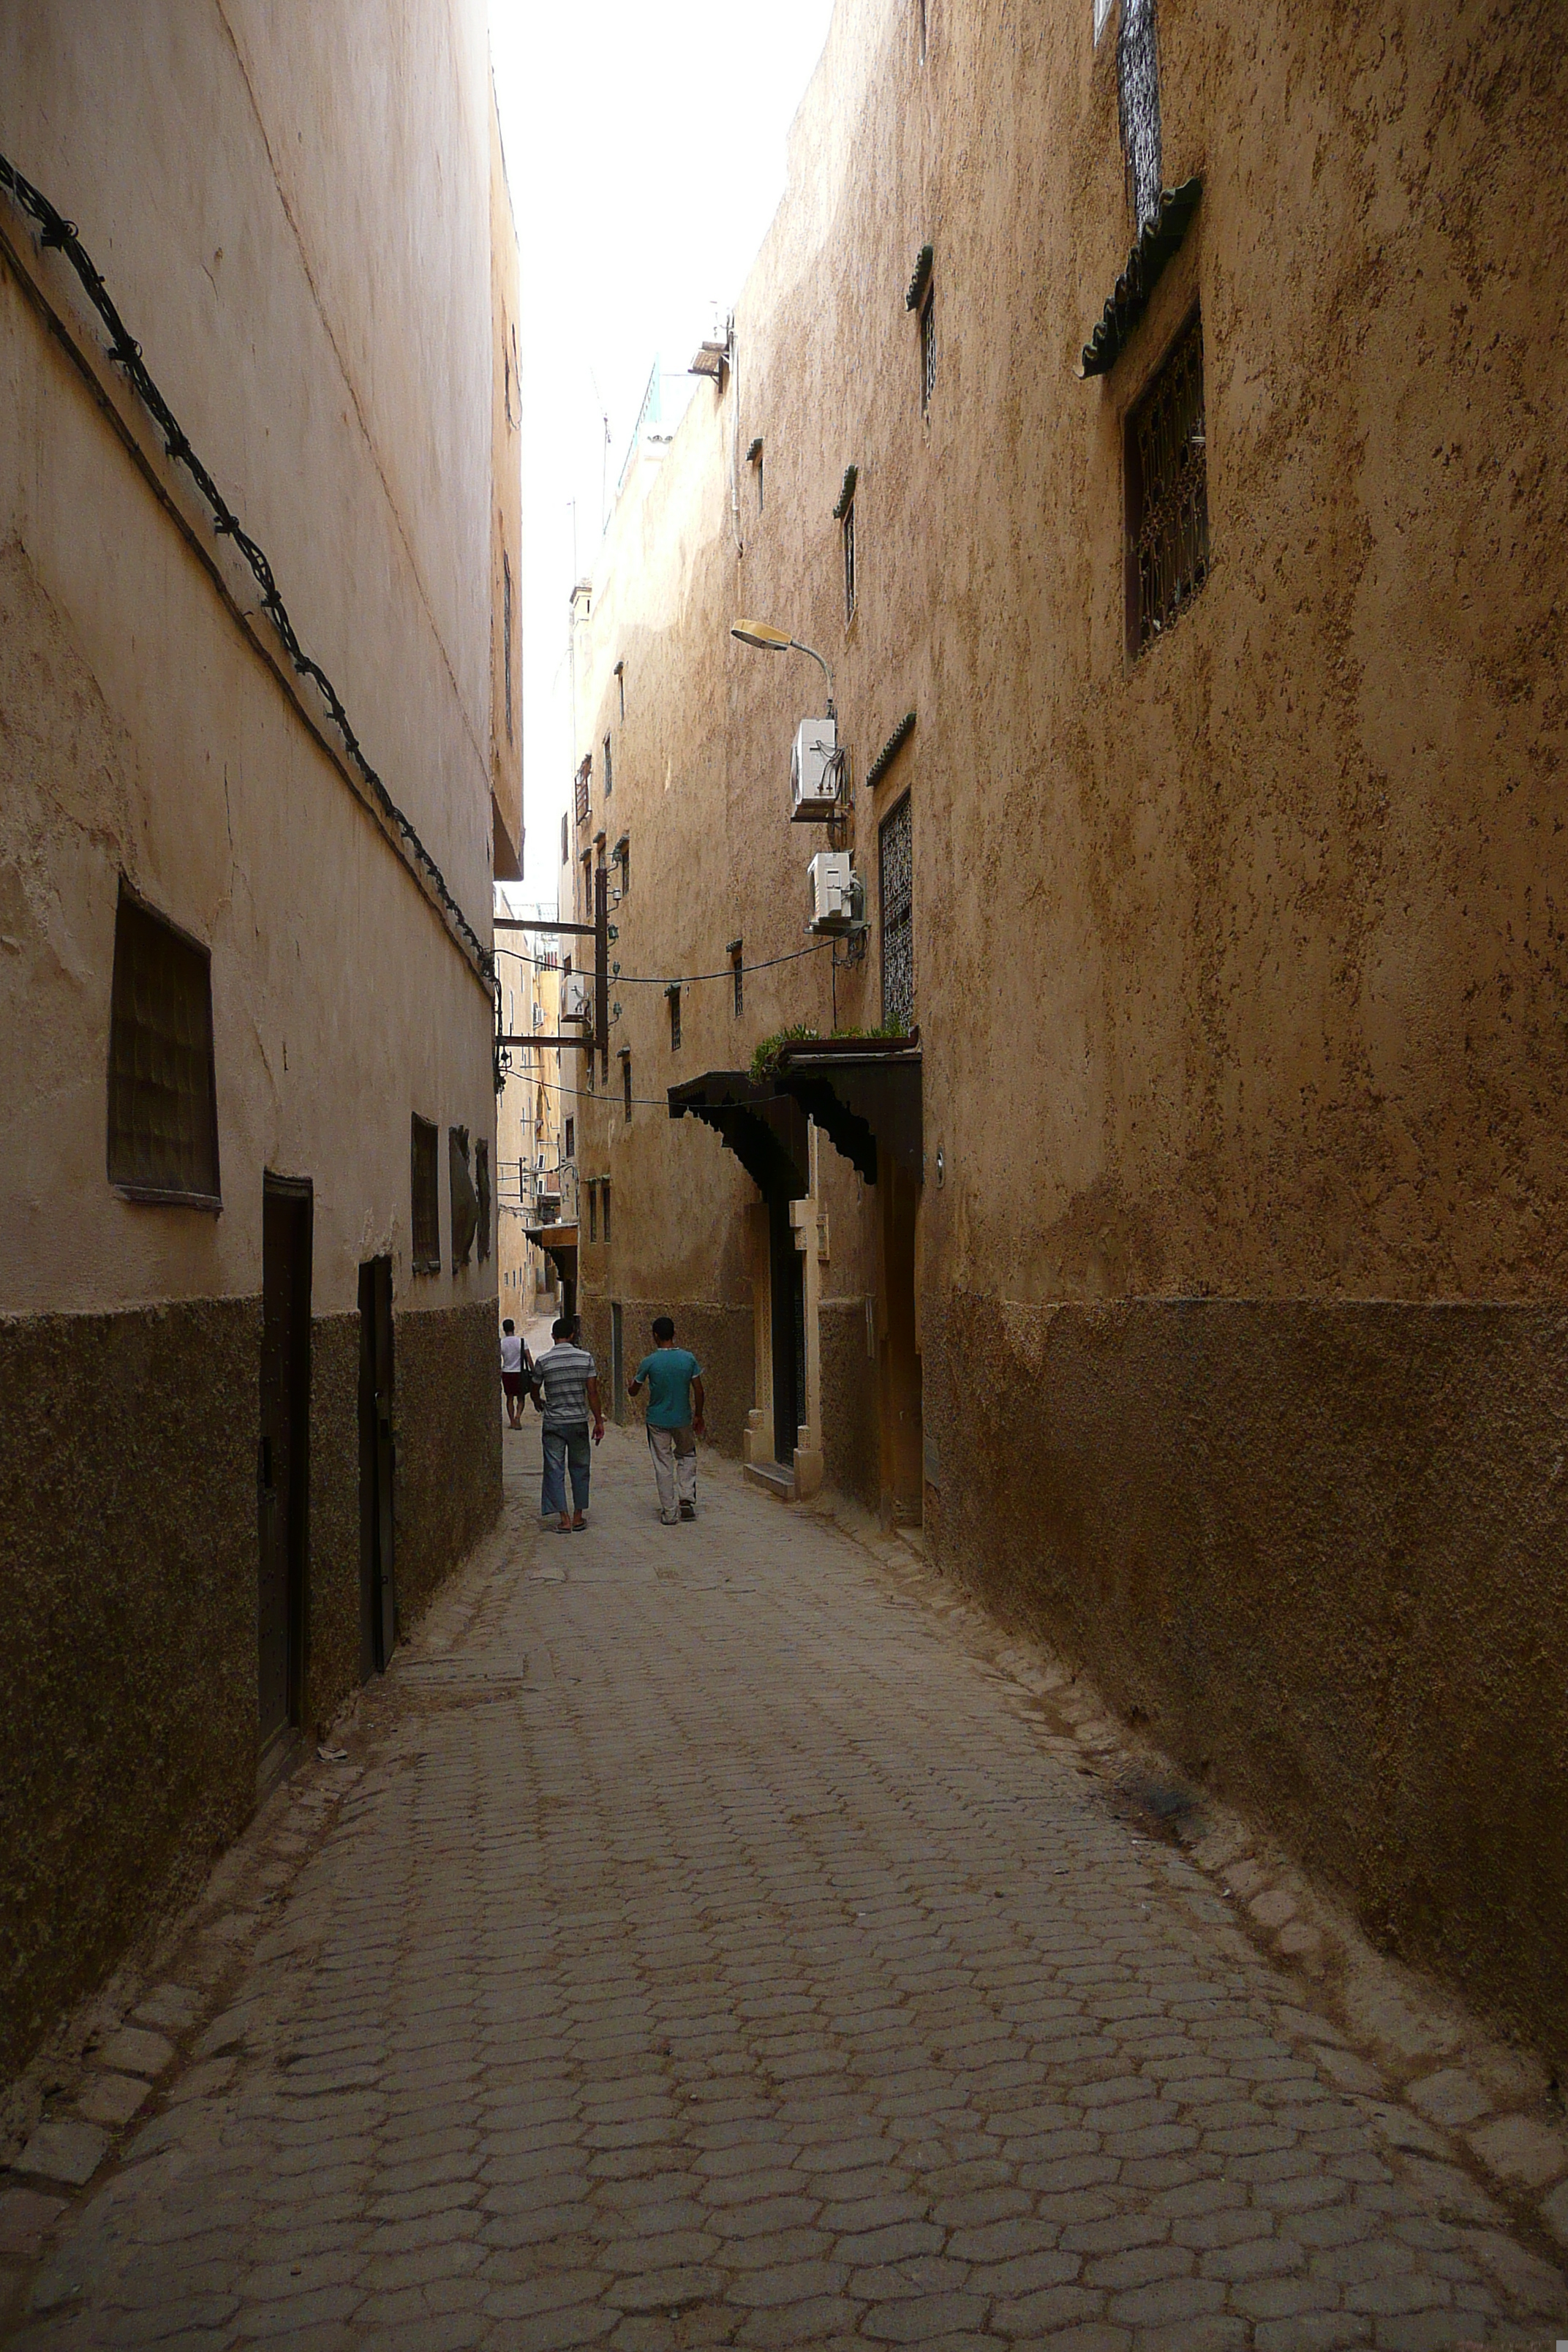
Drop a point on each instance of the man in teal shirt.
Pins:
(674, 1380)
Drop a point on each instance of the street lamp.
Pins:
(769, 640)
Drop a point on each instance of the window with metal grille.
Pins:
(895, 846)
(506, 633)
(928, 350)
(1167, 493)
(740, 971)
(584, 773)
(847, 526)
(571, 1139)
(609, 771)
(162, 1096)
(626, 1085)
(674, 996)
(424, 1183)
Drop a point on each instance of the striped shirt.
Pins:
(564, 1374)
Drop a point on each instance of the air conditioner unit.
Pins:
(837, 897)
(576, 996)
(814, 772)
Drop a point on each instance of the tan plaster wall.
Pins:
(1239, 968)
(313, 296)
(506, 521)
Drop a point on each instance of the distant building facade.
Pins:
(259, 753)
(1156, 434)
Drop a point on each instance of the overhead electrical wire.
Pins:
(61, 234)
(676, 979)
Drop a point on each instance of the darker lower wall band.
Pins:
(1318, 1549)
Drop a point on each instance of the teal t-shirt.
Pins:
(670, 1373)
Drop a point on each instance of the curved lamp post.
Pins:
(769, 640)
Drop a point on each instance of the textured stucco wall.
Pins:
(332, 1616)
(1316, 1550)
(849, 1445)
(1239, 968)
(720, 1338)
(447, 1420)
(128, 1579)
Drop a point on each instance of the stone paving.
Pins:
(697, 1947)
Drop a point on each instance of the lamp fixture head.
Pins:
(763, 635)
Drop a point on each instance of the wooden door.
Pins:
(787, 1322)
(378, 1601)
(283, 1467)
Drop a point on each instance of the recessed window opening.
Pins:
(847, 526)
(604, 1197)
(163, 1094)
(506, 633)
(425, 1186)
(621, 682)
(739, 973)
(565, 837)
(928, 350)
(626, 1085)
(924, 29)
(609, 773)
(1166, 465)
(674, 995)
(593, 1213)
(896, 848)
(571, 1137)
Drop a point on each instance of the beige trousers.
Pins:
(673, 1455)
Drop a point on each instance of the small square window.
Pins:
(424, 1180)
(847, 526)
(1167, 493)
(162, 1096)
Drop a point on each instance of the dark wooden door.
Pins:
(283, 1468)
(378, 1605)
(788, 1329)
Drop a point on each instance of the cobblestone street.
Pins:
(701, 1945)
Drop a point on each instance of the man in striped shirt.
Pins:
(566, 1385)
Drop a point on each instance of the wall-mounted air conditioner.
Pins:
(576, 996)
(814, 772)
(837, 897)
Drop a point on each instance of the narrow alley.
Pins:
(700, 1940)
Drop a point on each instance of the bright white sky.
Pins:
(644, 149)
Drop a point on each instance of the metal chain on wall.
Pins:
(1138, 101)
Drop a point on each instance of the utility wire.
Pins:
(56, 231)
(676, 979)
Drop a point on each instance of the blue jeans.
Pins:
(563, 1447)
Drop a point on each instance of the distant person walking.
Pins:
(566, 1386)
(515, 1371)
(674, 1378)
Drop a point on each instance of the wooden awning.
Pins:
(765, 1129)
(865, 1095)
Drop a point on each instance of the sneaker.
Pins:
(688, 1510)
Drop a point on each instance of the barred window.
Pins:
(674, 995)
(1167, 493)
(425, 1158)
(162, 1094)
(896, 844)
(928, 350)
